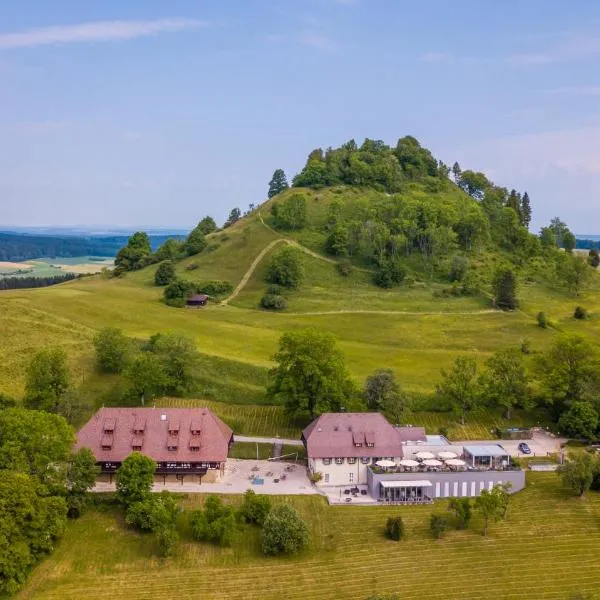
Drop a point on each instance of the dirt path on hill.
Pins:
(415, 313)
(251, 269)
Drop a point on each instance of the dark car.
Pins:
(524, 448)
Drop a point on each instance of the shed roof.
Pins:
(486, 450)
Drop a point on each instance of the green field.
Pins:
(411, 328)
(547, 548)
(49, 267)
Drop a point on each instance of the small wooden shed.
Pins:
(197, 300)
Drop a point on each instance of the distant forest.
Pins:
(17, 283)
(18, 247)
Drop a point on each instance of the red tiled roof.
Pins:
(336, 435)
(412, 434)
(214, 440)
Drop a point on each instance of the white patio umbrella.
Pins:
(408, 462)
(385, 463)
(446, 454)
(456, 462)
(432, 462)
(427, 455)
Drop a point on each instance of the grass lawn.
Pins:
(547, 548)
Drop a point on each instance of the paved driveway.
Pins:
(542, 444)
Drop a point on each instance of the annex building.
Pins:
(363, 452)
(187, 444)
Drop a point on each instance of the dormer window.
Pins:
(172, 443)
(358, 445)
(195, 427)
(139, 426)
(109, 425)
(370, 445)
(173, 427)
(107, 442)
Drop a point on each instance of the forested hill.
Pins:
(18, 247)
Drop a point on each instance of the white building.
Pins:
(340, 446)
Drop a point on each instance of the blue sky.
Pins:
(157, 113)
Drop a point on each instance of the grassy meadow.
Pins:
(411, 329)
(546, 548)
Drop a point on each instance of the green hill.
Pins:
(422, 223)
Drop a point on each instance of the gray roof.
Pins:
(487, 450)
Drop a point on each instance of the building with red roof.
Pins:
(188, 444)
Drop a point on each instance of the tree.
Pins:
(389, 273)
(47, 379)
(284, 531)
(383, 393)
(569, 241)
(474, 183)
(574, 271)
(456, 172)
(179, 358)
(36, 443)
(394, 528)
(594, 258)
(547, 237)
(438, 525)
(273, 302)
(568, 372)
(286, 268)
(195, 242)
(526, 210)
(462, 510)
(578, 473)
(278, 183)
(490, 505)
(154, 512)
(580, 420)
(82, 472)
(147, 377)
(135, 254)
(170, 250)
(234, 216)
(337, 241)
(311, 373)
(216, 523)
(31, 523)
(255, 508)
(505, 289)
(134, 478)
(113, 350)
(207, 225)
(459, 386)
(165, 273)
(542, 321)
(290, 213)
(177, 292)
(559, 229)
(505, 382)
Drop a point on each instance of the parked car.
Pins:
(524, 448)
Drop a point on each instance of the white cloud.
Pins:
(99, 31)
(574, 90)
(317, 40)
(435, 57)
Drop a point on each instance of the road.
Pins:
(542, 444)
(266, 440)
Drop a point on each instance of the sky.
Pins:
(156, 113)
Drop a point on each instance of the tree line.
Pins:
(16, 283)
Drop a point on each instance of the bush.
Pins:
(580, 420)
(438, 525)
(255, 508)
(273, 302)
(316, 477)
(580, 313)
(286, 268)
(284, 531)
(458, 268)
(177, 292)
(215, 288)
(165, 273)
(541, 320)
(216, 523)
(344, 268)
(463, 511)
(275, 289)
(290, 213)
(389, 274)
(394, 528)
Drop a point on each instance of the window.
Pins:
(326, 478)
(326, 461)
(358, 445)
(351, 477)
(370, 444)
(365, 460)
(351, 461)
(339, 461)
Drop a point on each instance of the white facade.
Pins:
(344, 471)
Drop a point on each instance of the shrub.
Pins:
(462, 510)
(458, 268)
(177, 291)
(275, 289)
(580, 313)
(273, 302)
(284, 531)
(389, 274)
(165, 273)
(316, 477)
(344, 268)
(541, 320)
(286, 268)
(438, 525)
(215, 288)
(394, 528)
(255, 508)
(290, 213)
(216, 523)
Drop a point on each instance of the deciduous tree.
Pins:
(165, 273)
(459, 386)
(284, 531)
(311, 373)
(134, 478)
(580, 420)
(47, 379)
(286, 268)
(113, 350)
(578, 473)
